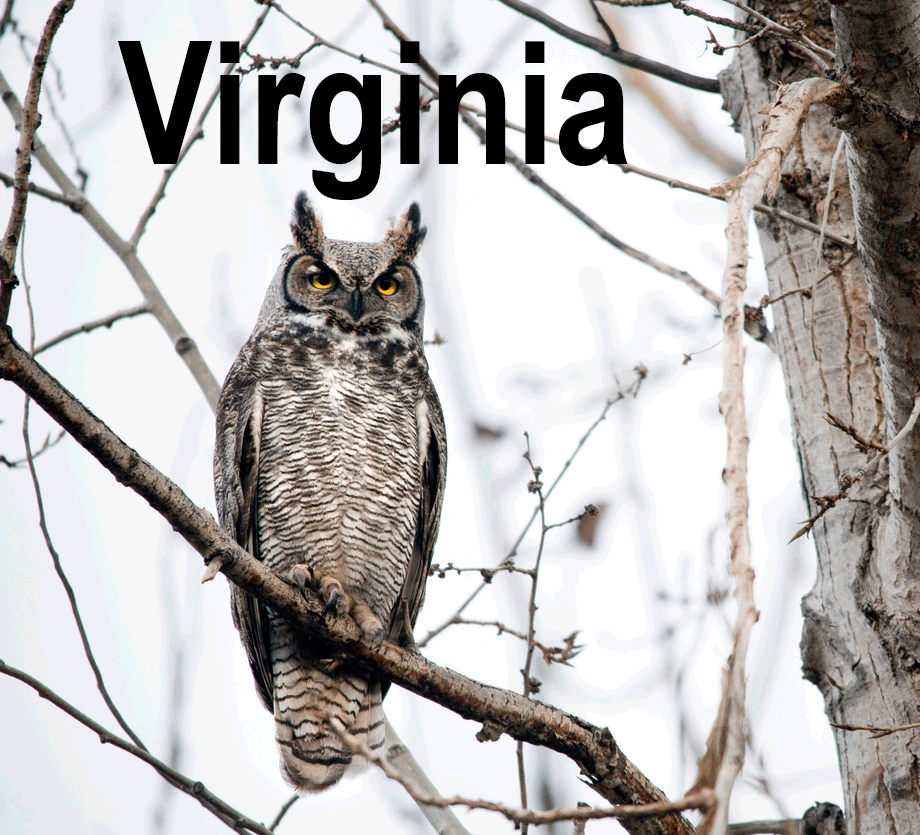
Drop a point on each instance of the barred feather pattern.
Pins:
(338, 490)
(331, 453)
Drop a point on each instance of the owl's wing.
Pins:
(236, 483)
(434, 472)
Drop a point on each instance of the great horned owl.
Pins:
(329, 467)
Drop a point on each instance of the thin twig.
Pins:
(283, 811)
(830, 193)
(9, 182)
(861, 443)
(55, 557)
(787, 826)
(362, 58)
(486, 573)
(183, 344)
(630, 391)
(817, 52)
(442, 818)
(551, 655)
(86, 327)
(718, 195)
(29, 121)
(196, 134)
(877, 732)
(46, 445)
(825, 503)
(699, 800)
(629, 59)
(7, 17)
(534, 486)
(220, 808)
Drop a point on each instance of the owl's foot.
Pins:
(334, 598)
(338, 602)
(371, 627)
(304, 578)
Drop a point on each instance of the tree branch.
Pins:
(236, 820)
(196, 134)
(29, 121)
(629, 59)
(86, 327)
(724, 757)
(610, 773)
(184, 345)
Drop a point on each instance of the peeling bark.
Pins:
(853, 350)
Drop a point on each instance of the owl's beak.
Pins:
(357, 304)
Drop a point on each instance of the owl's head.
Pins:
(360, 288)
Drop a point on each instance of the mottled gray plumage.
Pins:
(329, 467)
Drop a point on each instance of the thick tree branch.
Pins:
(610, 773)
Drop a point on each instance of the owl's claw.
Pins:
(303, 578)
(371, 628)
(337, 601)
(333, 596)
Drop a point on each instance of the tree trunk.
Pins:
(853, 350)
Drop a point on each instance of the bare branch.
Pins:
(806, 44)
(877, 733)
(825, 503)
(397, 754)
(519, 816)
(285, 808)
(789, 826)
(7, 17)
(629, 59)
(46, 445)
(28, 123)
(224, 811)
(718, 194)
(861, 443)
(196, 134)
(724, 756)
(487, 574)
(55, 557)
(629, 391)
(611, 774)
(86, 327)
(9, 182)
(183, 344)
(551, 655)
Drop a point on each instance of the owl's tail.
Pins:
(307, 696)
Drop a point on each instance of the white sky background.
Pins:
(541, 319)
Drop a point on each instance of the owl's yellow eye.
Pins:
(322, 281)
(386, 285)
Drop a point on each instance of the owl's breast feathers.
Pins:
(340, 476)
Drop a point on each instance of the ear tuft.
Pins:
(306, 227)
(407, 233)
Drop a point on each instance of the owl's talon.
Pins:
(333, 595)
(303, 578)
(371, 628)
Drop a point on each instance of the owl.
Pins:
(329, 468)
